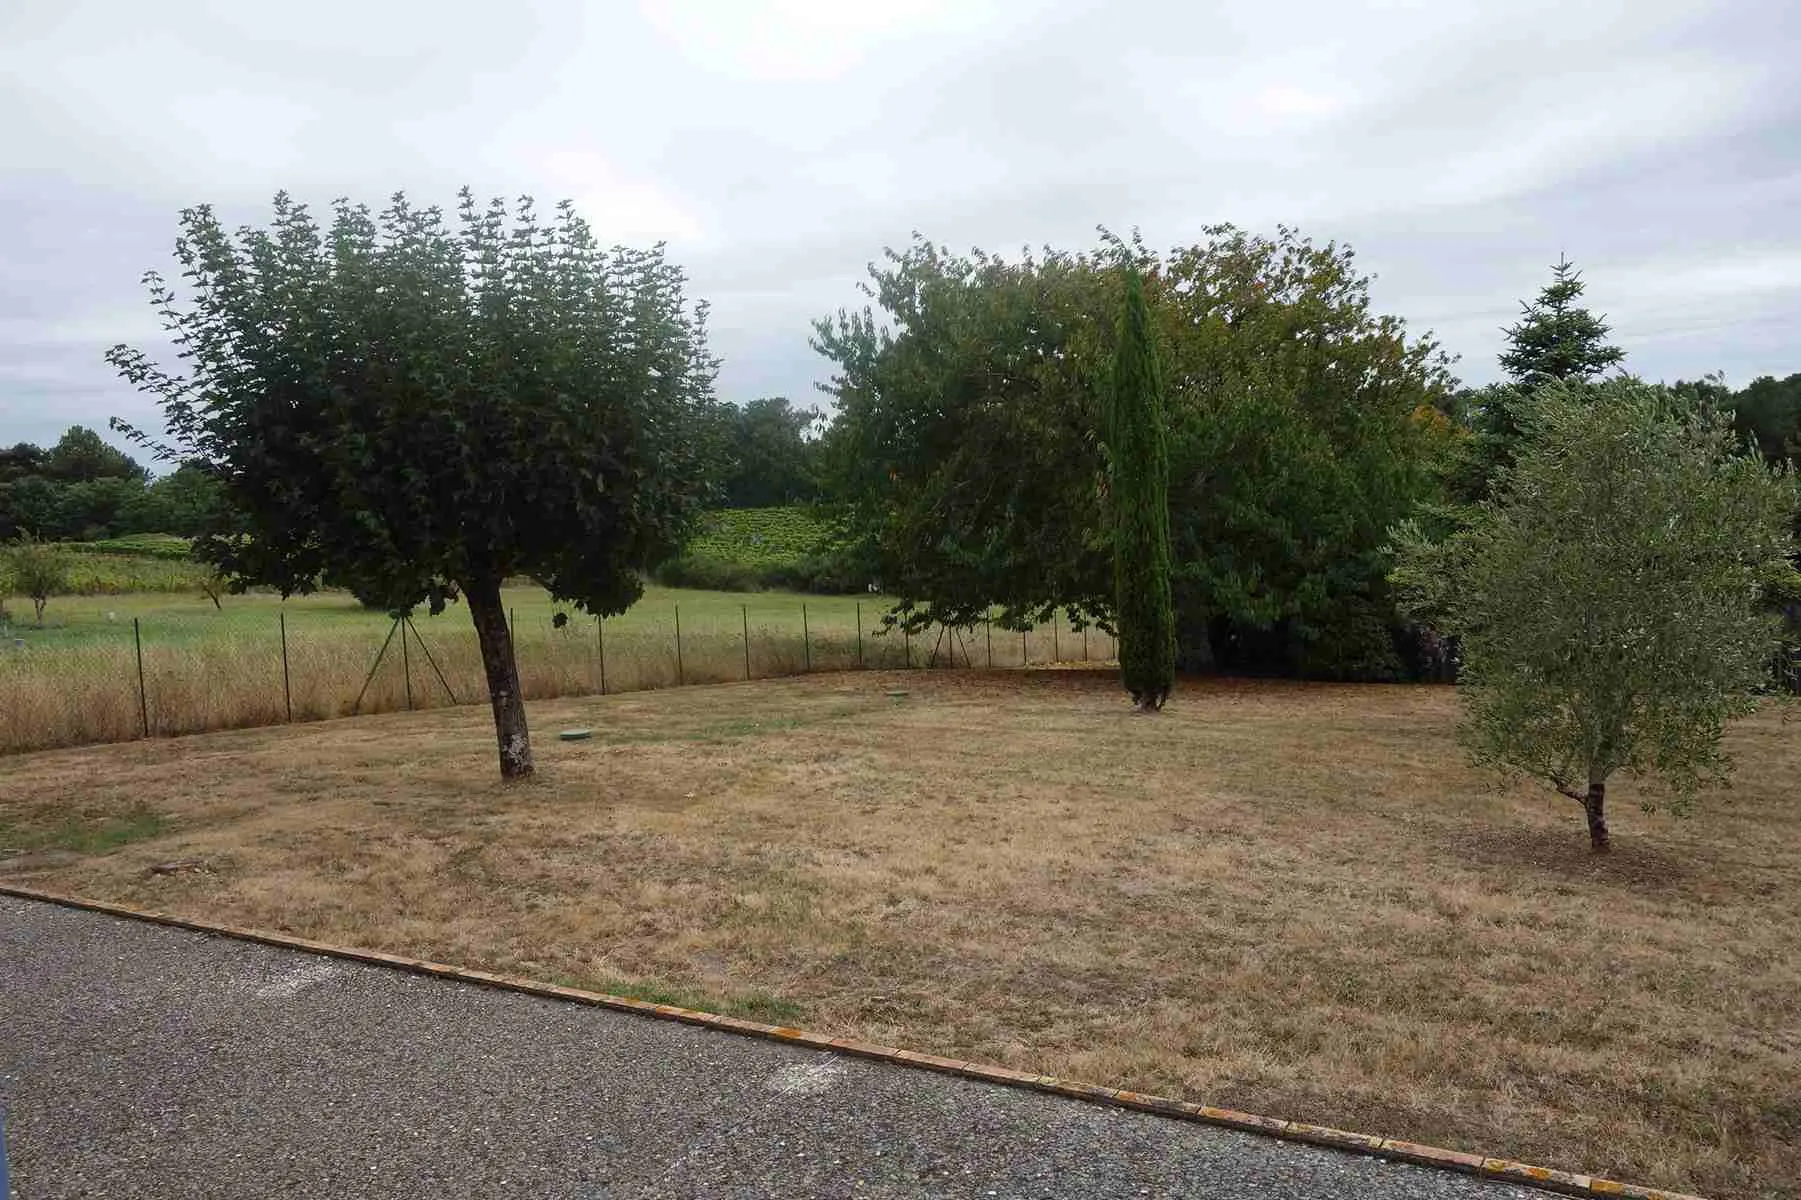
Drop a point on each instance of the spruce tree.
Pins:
(1557, 339)
(1138, 460)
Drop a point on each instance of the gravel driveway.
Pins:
(142, 1061)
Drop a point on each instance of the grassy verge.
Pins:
(752, 1006)
(80, 834)
(1284, 898)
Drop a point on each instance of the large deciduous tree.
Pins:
(426, 406)
(80, 456)
(772, 452)
(79, 488)
(965, 449)
(1608, 594)
(1301, 425)
(1138, 504)
(1768, 411)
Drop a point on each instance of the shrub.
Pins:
(111, 574)
(712, 574)
(757, 549)
(1356, 641)
(164, 546)
(39, 570)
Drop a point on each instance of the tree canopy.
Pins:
(966, 448)
(36, 569)
(1768, 412)
(79, 488)
(83, 488)
(424, 406)
(771, 454)
(1608, 595)
(1556, 340)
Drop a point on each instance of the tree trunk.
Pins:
(490, 617)
(1594, 805)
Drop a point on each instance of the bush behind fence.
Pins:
(140, 684)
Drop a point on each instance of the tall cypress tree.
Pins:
(1138, 458)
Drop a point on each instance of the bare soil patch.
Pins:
(1286, 898)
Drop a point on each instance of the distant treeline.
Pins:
(81, 489)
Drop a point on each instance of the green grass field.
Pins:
(179, 617)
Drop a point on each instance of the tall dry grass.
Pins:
(84, 694)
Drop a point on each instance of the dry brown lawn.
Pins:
(1286, 898)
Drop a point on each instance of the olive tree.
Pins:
(426, 406)
(1608, 595)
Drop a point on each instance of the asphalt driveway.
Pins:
(142, 1061)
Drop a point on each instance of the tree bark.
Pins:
(1150, 702)
(490, 617)
(1594, 805)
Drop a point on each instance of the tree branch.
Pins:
(1558, 782)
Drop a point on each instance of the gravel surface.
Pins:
(141, 1061)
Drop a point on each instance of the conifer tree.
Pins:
(1138, 460)
(1556, 339)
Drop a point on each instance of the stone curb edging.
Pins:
(1502, 1169)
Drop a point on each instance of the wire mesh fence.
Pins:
(151, 678)
(143, 679)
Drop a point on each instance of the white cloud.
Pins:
(788, 40)
(621, 209)
(1749, 277)
(1286, 100)
(1460, 145)
(1589, 119)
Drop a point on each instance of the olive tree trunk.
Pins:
(1594, 805)
(490, 617)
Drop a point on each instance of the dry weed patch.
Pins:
(1278, 897)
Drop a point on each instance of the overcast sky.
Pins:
(779, 145)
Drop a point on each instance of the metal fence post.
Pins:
(406, 666)
(744, 609)
(988, 633)
(287, 688)
(859, 633)
(137, 638)
(600, 637)
(1056, 644)
(1084, 643)
(681, 675)
(806, 641)
(907, 637)
(1025, 656)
